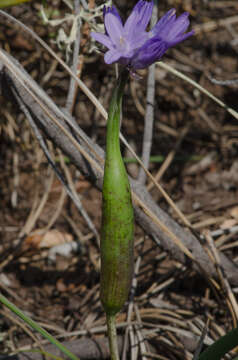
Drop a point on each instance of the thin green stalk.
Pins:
(112, 336)
(36, 327)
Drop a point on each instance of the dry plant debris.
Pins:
(195, 151)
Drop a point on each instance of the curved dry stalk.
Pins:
(149, 111)
(73, 85)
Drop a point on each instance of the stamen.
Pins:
(122, 40)
(172, 13)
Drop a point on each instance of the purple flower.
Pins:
(131, 45)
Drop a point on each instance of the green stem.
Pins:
(112, 335)
(113, 123)
(37, 327)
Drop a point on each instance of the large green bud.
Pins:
(117, 215)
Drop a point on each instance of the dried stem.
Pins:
(73, 84)
(149, 114)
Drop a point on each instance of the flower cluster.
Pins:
(131, 45)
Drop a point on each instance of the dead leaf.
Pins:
(40, 239)
(228, 223)
(234, 212)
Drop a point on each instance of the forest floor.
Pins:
(194, 154)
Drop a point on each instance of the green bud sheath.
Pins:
(117, 215)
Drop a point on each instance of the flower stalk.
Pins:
(112, 335)
(133, 47)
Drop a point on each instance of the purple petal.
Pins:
(152, 51)
(111, 56)
(181, 38)
(179, 26)
(138, 40)
(168, 18)
(114, 27)
(103, 39)
(112, 10)
(171, 29)
(140, 17)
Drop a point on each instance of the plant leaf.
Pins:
(219, 348)
(6, 3)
